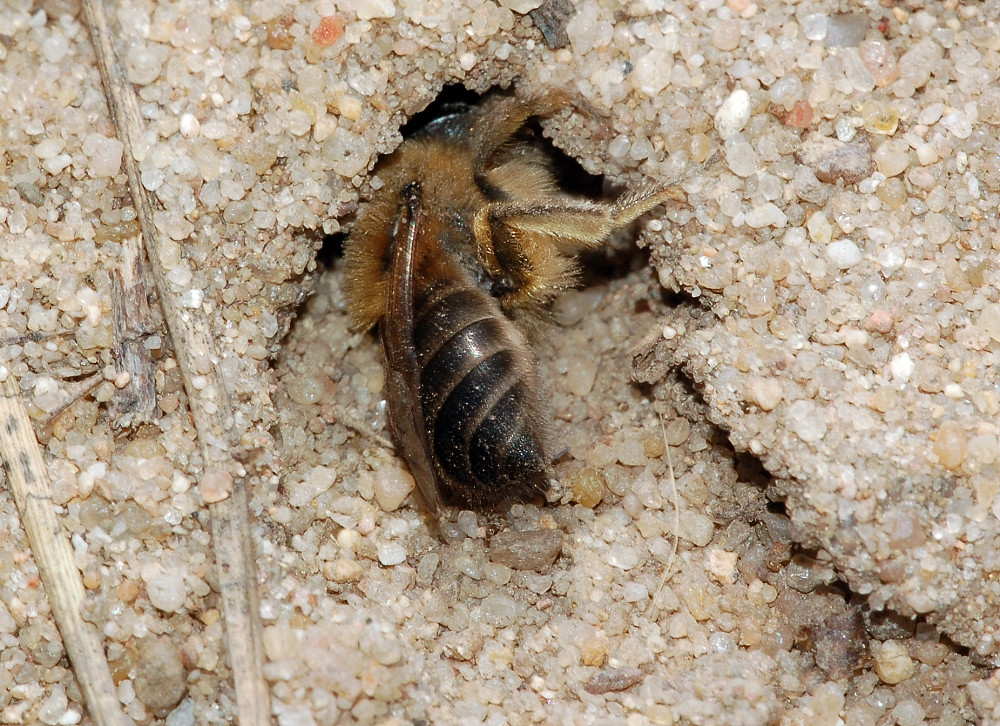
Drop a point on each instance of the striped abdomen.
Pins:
(480, 399)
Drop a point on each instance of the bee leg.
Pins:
(531, 243)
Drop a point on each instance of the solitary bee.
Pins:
(466, 243)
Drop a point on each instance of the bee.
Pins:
(455, 259)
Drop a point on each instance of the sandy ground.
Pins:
(811, 336)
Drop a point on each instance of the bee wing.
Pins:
(406, 419)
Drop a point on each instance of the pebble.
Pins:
(989, 321)
(846, 29)
(192, 298)
(54, 707)
(630, 451)
(801, 115)
(532, 550)
(881, 118)
(580, 375)
(951, 444)
(215, 485)
(733, 114)
(841, 643)
(819, 228)
(614, 679)
(371, 9)
(893, 663)
(521, 7)
(343, 570)
(958, 123)
(901, 367)
(500, 609)
(183, 715)
(166, 589)
(880, 60)
(844, 253)
(741, 159)
(329, 30)
(726, 35)
(806, 421)
(318, 480)
(392, 486)
(850, 162)
(697, 529)
(391, 553)
(908, 712)
(159, 677)
(765, 392)
(586, 486)
(766, 215)
(814, 26)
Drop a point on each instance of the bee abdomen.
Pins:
(479, 398)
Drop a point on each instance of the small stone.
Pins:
(989, 321)
(54, 707)
(726, 35)
(831, 159)
(532, 550)
(500, 610)
(958, 123)
(760, 297)
(722, 565)
(521, 6)
(346, 152)
(280, 642)
(844, 253)
(951, 444)
(840, 643)
(371, 9)
(733, 114)
(328, 31)
(55, 47)
(801, 115)
(192, 298)
(881, 118)
(392, 486)
(166, 590)
(819, 228)
(343, 570)
(316, 482)
(614, 679)
(159, 678)
(814, 26)
(189, 126)
(844, 30)
(880, 60)
(391, 553)
(892, 158)
(630, 451)
(901, 367)
(806, 422)
(880, 321)
(927, 154)
(766, 215)
(586, 486)
(765, 392)
(741, 159)
(594, 651)
(580, 375)
(893, 663)
(697, 529)
(215, 485)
